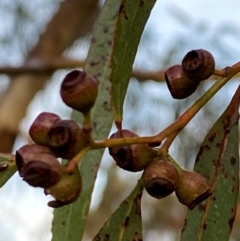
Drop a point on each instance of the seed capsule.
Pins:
(179, 85)
(67, 190)
(79, 90)
(192, 189)
(160, 178)
(39, 129)
(131, 158)
(66, 138)
(198, 64)
(37, 166)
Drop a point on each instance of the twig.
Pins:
(165, 146)
(180, 123)
(76, 159)
(49, 65)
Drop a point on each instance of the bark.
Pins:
(73, 20)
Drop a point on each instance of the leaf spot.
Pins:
(105, 29)
(204, 226)
(185, 225)
(63, 223)
(107, 237)
(212, 137)
(107, 106)
(126, 223)
(141, 3)
(201, 207)
(123, 11)
(206, 147)
(233, 161)
(218, 145)
(138, 204)
(230, 222)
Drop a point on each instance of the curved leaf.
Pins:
(218, 161)
(132, 19)
(125, 224)
(69, 221)
(7, 168)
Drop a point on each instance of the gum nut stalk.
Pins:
(198, 64)
(79, 90)
(40, 127)
(67, 138)
(67, 190)
(179, 85)
(160, 178)
(132, 158)
(37, 166)
(192, 189)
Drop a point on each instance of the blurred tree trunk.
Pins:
(73, 20)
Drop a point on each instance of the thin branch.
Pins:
(49, 65)
(40, 66)
(180, 123)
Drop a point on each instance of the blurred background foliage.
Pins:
(32, 32)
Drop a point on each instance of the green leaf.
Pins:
(218, 161)
(69, 221)
(132, 19)
(7, 168)
(125, 224)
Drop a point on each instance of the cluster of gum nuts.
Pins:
(55, 138)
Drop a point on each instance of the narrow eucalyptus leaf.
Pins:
(132, 18)
(218, 161)
(125, 223)
(69, 221)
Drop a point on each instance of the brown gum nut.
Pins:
(131, 158)
(38, 166)
(160, 178)
(67, 138)
(179, 85)
(198, 64)
(40, 127)
(79, 90)
(192, 189)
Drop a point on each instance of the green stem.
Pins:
(87, 124)
(76, 159)
(180, 123)
(165, 146)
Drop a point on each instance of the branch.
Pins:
(171, 131)
(49, 65)
(180, 123)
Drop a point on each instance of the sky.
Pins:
(23, 213)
